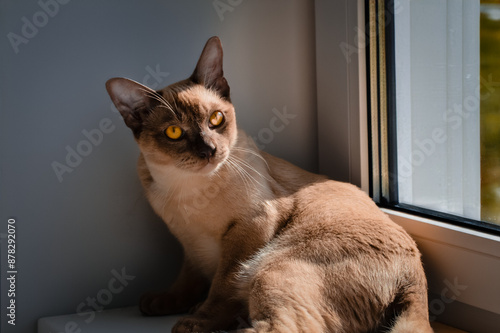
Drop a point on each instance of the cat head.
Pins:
(190, 124)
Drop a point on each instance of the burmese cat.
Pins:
(265, 242)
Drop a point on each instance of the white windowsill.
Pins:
(462, 266)
(130, 320)
(123, 320)
(445, 232)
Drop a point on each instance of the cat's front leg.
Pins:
(222, 312)
(186, 293)
(214, 315)
(225, 308)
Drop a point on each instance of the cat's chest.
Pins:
(200, 235)
(197, 221)
(201, 212)
(205, 252)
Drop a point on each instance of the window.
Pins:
(435, 108)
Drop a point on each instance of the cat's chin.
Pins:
(209, 168)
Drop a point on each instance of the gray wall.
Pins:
(76, 232)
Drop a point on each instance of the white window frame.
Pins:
(450, 253)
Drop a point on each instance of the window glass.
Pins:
(447, 66)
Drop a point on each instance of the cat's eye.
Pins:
(174, 132)
(216, 119)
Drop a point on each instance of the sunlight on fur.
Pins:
(265, 242)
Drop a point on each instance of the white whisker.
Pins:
(249, 166)
(250, 151)
(237, 169)
(242, 167)
(163, 102)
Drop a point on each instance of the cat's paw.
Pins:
(192, 310)
(193, 324)
(159, 304)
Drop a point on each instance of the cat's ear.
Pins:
(132, 99)
(209, 71)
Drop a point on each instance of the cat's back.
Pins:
(330, 210)
(316, 193)
(290, 177)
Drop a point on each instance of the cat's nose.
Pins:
(207, 151)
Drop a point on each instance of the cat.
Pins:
(268, 247)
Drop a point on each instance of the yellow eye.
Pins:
(174, 132)
(216, 118)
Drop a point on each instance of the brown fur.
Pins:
(264, 241)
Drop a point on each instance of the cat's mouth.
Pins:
(208, 166)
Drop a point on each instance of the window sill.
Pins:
(441, 328)
(447, 233)
(123, 320)
(463, 270)
(130, 320)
